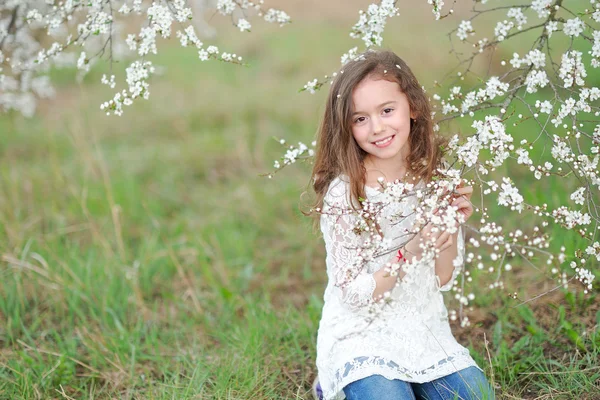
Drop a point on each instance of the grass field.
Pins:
(143, 257)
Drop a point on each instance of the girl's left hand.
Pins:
(462, 200)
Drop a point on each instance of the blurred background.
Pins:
(143, 256)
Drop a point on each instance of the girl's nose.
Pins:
(378, 126)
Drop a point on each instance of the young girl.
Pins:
(377, 128)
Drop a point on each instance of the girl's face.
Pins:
(381, 120)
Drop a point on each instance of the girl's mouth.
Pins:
(384, 142)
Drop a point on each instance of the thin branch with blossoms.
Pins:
(95, 26)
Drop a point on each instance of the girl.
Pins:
(377, 127)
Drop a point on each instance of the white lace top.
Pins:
(411, 340)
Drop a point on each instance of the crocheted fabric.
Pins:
(409, 338)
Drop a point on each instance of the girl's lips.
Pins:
(386, 142)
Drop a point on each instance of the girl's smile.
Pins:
(384, 142)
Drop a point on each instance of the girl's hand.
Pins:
(443, 240)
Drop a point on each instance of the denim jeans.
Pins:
(466, 384)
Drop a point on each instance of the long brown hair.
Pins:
(337, 151)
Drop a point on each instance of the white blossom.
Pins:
(310, 86)
(544, 106)
(577, 196)
(542, 7)
(464, 30)
(243, 25)
(551, 26)
(573, 27)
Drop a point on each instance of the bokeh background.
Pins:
(144, 257)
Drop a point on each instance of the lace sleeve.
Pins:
(458, 262)
(341, 244)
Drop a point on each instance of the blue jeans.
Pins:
(466, 384)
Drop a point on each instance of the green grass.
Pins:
(143, 257)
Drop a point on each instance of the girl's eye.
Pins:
(388, 110)
(359, 119)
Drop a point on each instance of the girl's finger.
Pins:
(464, 190)
(442, 239)
(446, 244)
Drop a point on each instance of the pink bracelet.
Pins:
(400, 257)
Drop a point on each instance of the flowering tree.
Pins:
(36, 35)
(545, 85)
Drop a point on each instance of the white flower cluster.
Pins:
(537, 171)
(595, 52)
(494, 88)
(109, 82)
(464, 30)
(542, 7)
(523, 157)
(586, 277)
(509, 196)
(502, 29)
(569, 107)
(311, 86)
(577, 196)
(561, 151)
(536, 79)
(544, 106)
(570, 219)
(371, 24)
(137, 79)
(468, 153)
(277, 16)
(293, 154)
(492, 135)
(437, 6)
(573, 27)
(518, 16)
(572, 71)
(243, 25)
(228, 7)
(594, 250)
(349, 56)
